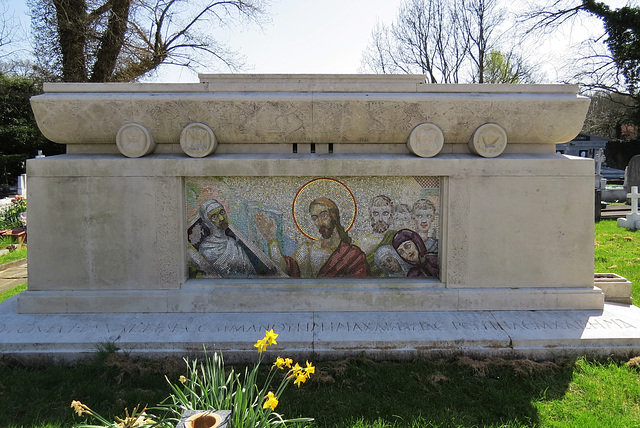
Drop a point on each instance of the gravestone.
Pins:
(632, 221)
(351, 213)
(632, 176)
(22, 185)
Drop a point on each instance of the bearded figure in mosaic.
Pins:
(222, 248)
(332, 255)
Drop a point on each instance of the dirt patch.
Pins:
(522, 367)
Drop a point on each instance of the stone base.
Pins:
(277, 296)
(629, 222)
(614, 331)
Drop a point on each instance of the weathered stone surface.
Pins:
(426, 140)
(614, 331)
(479, 251)
(336, 110)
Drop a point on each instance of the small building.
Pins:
(584, 145)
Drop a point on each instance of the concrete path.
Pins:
(12, 274)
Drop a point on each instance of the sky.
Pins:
(320, 36)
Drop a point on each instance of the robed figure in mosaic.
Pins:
(332, 255)
(221, 248)
(412, 249)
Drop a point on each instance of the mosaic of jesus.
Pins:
(306, 227)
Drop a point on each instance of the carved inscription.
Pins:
(308, 327)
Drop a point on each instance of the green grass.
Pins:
(359, 393)
(4, 295)
(20, 253)
(354, 393)
(617, 250)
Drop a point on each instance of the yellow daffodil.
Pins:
(279, 363)
(296, 369)
(301, 378)
(183, 379)
(271, 337)
(288, 362)
(134, 420)
(80, 408)
(271, 401)
(310, 369)
(261, 345)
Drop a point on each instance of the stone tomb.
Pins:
(311, 204)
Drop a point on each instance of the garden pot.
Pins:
(204, 419)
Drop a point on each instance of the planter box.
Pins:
(616, 289)
(19, 233)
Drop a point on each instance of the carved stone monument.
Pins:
(351, 213)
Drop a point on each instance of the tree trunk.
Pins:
(72, 30)
(111, 42)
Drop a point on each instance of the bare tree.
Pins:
(448, 40)
(609, 61)
(8, 30)
(608, 113)
(607, 66)
(122, 40)
(426, 38)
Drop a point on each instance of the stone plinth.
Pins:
(90, 214)
(610, 332)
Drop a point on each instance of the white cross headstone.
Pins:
(599, 158)
(632, 221)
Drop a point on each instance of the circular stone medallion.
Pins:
(198, 140)
(134, 140)
(426, 140)
(489, 140)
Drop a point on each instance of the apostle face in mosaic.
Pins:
(389, 262)
(381, 214)
(423, 214)
(402, 217)
(218, 217)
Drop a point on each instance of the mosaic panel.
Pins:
(312, 227)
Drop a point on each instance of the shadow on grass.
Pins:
(347, 393)
(441, 393)
(39, 394)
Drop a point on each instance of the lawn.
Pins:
(617, 250)
(360, 393)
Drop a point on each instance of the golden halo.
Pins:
(328, 188)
